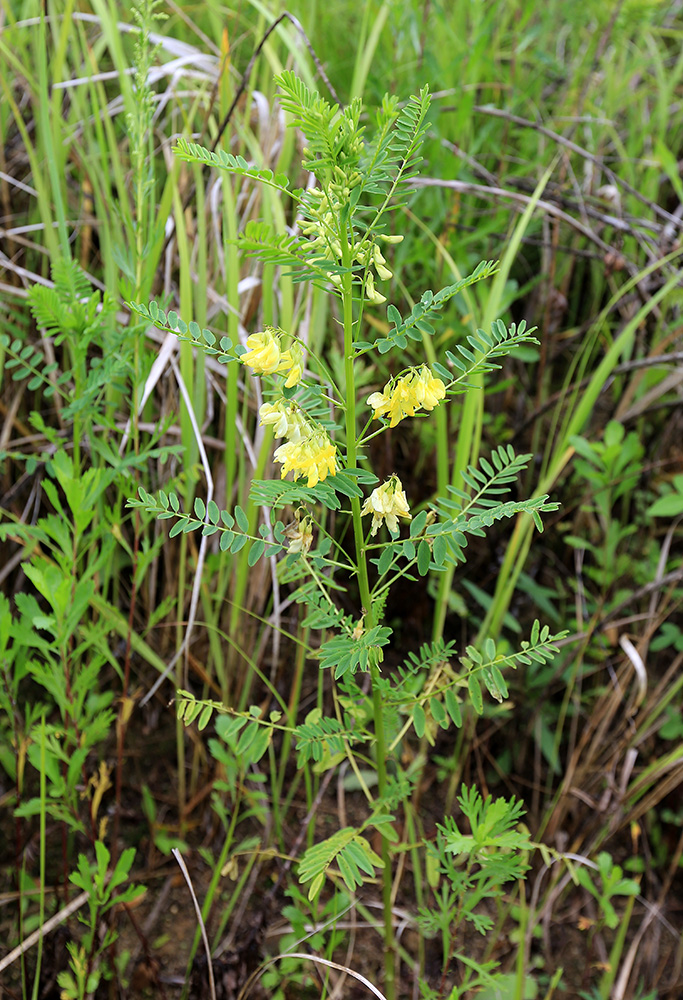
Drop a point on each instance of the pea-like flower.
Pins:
(266, 357)
(387, 503)
(429, 388)
(295, 356)
(278, 415)
(400, 398)
(264, 354)
(313, 456)
(308, 450)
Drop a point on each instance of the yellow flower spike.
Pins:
(404, 401)
(419, 388)
(286, 418)
(387, 503)
(313, 456)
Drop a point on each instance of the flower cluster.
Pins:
(387, 503)
(266, 357)
(308, 450)
(322, 227)
(419, 388)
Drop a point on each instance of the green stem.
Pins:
(366, 602)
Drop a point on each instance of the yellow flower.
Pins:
(266, 356)
(419, 388)
(429, 388)
(313, 456)
(278, 415)
(286, 419)
(396, 402)
(296, 360)
(371, 293)
(387, 503)
(380, 402)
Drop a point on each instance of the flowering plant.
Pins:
(325, 426)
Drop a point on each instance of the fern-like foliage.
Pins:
(346, 653)
(191, 152)
(485, 350)
(351, 852)
(71, 306)
(469, 515)
(244, 737)
(486, 667)
(190, 709)
(260, 240)
(430, 655)
(322, 613)
(211, 520)
(418, 322)
(319, 736)
(26, 361)
(190, 333)
(98, 352)
(447, 539)
(330, 131)
(474, 867)
(283, 493)
(433, 545)
(396, 155)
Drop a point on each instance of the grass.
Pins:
(553, 146)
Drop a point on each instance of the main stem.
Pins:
(364, 588)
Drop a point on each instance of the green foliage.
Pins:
(346, 848)
(101, 884)
(418, 323)
(344, 653)
(58, 647)
(433, 544)
(466, 870)
(487, 666)
(91, 582)
(27, 362)
(233, 529)
(189, 333)
(612, 468)
(341, 248)
(282, 493)
(97, 360)
(669, 504)
(190, 710)
(191, 152)
(396, 155)
(260, 240)
(612, 883)
(332, 135)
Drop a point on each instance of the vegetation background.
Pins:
(554, 143)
